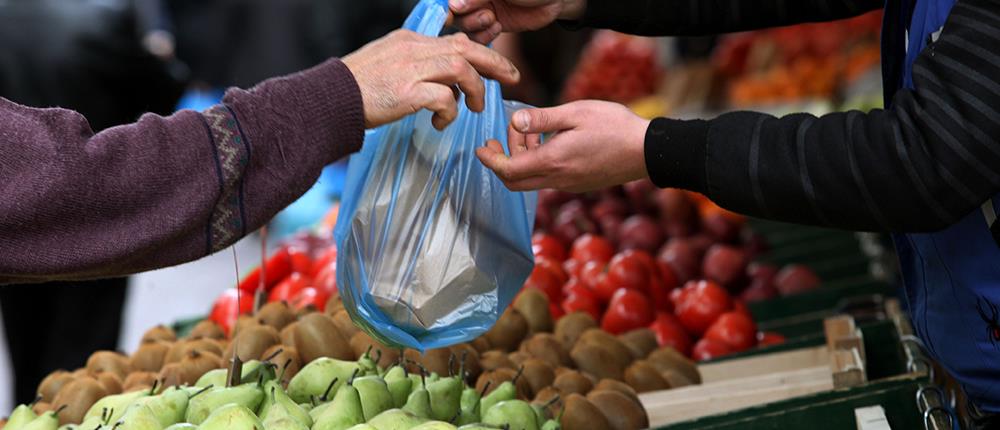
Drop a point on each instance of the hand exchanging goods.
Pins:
(596, 144)
(483, 20)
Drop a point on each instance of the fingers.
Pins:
(476, 21)
(461, 7)
(486, 61)
(524, 165)
(485, 37)
(438, 99)
(454, 69)
(546, 120)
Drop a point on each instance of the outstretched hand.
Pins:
(483, 20)
(596, 144)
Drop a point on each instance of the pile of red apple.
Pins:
(615, 67)
(673, 261)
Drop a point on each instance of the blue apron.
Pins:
(951, 277)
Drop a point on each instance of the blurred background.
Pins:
(113, 60)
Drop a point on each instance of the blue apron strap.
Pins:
(990, 213)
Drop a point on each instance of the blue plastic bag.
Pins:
(432, 247)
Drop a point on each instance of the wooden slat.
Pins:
(837, 327)
(765, 364)
(847, 368)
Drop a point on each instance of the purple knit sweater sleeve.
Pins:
(164, 190)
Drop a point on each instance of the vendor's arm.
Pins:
(921, 165)
(167, 190)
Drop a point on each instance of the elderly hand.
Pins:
(483, 20)
(596, 144)
(404, 72)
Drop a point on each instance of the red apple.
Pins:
(640, 232)
(795, 279)
(640, 195)
(682, 258)
(724, 264)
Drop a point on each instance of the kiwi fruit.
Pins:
(360, 343)
(676, 379)
(149, 357)
(598, 360)
(533, 304)
(412, 360)
(52, 383)
(518, 358)
(495, 359)
(77, 397)
(572, 325)
(546, 347)
(110, 382)
(499, 376)
(581, 414)
(276, 314)
(174, 374)
(243, 322)
(509, 331)
(207, 329)
(334, 304)
(666, 358)
(280, 355)
(316, 336)
(158, 333)
(343, 321)
(440, 361)
(619, 386)
(206, 345)
(572, 381)
(196, 363)
(251, 343)
(138, 380)
(287, 335)
(539, 374)
(551, 399)
(109, 361)
(81, 372)
(643, 377)
(640, 342)
(620, 411)
(466, 352)
(481, 344)
(41, 407)
(306, 310)
(597, 336)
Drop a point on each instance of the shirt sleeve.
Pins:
(920, 165)
(164, 190)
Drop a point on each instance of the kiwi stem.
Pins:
(200, 391)
(274, 354)
(520, 370)
(326, 393)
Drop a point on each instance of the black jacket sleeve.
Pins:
(920, 165)
(703, 17)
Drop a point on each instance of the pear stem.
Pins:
(281, 376)
(200, 391)
(451, 364)
(156, 383)
(104, 414)
(485, 387)
(326, 393)
(353, 375)
(520, 371)
(60, 409)
(272, 395)
(378, 356)
(551, 401)
(368, 351)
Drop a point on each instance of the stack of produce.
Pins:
(615, 67)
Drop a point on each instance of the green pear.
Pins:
(419, 404)
(435, 425)
(375, 395)
(69, 426)
(276, 398)
(517, 414)
(417, 382)
(232, 417)
(399, 385)
(91, 424)
(479, 426)
(169, 407)
(552, 425)
(323, 401)
(367, 365)
(215, 378)
(506, 391)
(202, 405)
(182, 426)
(344, 411)
(446, 395)
(469, 405)
(138, 417)
(257, 371)
(113, 407)
(313, 379)
(46, 421)
(395, 419)
(21, 416)
(363, 426)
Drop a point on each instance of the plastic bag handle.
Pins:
(428, 17)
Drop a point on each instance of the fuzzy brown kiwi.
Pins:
(533, 304)
(138, 380)
(110, 382)
(676, 379)
(545, 346)
(41, 407)
(518, 358)
(471, 357)
(276, 314)
(644, 378)
(495, 359)
(77, 397)
(343, 321)
(499, 376)
(572, 381)
(412, 361)
(334, 304)
(316, 336)
(158, 333)
(251, 343)
(509, 331)
(81, 372)
(571, 326)
(281, 354)
(243, 322)
(306, 310)
(539, 375)
(109, 361)
(360, 343)
(207, 329)
(196, 363)
(481, 344)
(621, 412)
(619, 386)
(173, 375)
(52, 383)
(640, 342)
(600, 337)
(437, 361)
(287, 335)
(581, 414)
(667, 358)
(149, 357)
(204, 345)
(597, 359)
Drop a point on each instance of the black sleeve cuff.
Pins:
(676, 153)
(611, 14)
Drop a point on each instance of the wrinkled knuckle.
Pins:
(458, 66)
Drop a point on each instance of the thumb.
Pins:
(461, 7)
(545, 120)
